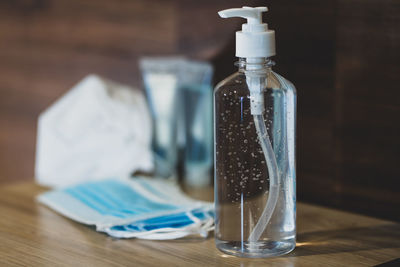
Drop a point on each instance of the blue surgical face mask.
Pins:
(143, 208)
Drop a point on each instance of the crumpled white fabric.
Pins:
(98, 129)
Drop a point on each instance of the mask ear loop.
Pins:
(201, 227)
(204, 225)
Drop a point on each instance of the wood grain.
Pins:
(33, 235)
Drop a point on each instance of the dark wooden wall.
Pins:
(46, 46)
(342, 55)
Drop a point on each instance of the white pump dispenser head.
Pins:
(255, 40)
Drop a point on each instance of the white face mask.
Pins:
(93, 132)
(140, 207)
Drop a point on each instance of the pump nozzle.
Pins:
(252, 14)
(255, 40)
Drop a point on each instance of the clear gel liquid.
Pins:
(241, 173)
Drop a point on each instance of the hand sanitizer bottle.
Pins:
(254, 116)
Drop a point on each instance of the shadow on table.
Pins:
(347, 240)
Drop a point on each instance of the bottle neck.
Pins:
(254, 64)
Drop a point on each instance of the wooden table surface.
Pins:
(33, 235)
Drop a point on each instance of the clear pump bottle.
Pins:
(254, 116)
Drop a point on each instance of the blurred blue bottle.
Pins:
(161, 82)
(196, 98)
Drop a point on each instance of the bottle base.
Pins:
(261, 249)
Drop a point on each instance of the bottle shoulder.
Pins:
(238, 80)
(284, 83)
(234, 79)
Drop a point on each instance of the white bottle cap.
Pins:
(255, 39)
